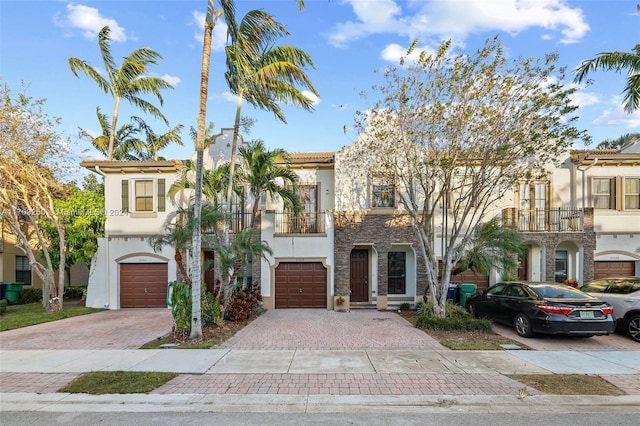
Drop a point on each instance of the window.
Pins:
(23, 270)
(496, 290)
(533, 205)
(149, 195)
(307, 220)
(603, 193)
(632, 193)
(383, 190)
(144, 195)
(562, 257)
(397, 278)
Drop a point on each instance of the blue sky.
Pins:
(347, 39)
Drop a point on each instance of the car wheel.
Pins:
(522, 324)
(473, 310)
(633, 327)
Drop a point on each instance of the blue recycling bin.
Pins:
(3, 288)
(452, 293)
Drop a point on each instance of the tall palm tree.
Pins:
(154, 142)
(228, 10)
(128, 81)
(260, 170)
(126, 145)
(618, 61)
(262, 74)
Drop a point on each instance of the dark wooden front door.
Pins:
(359, 276)
(209, 274)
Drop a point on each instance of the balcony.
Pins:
(239, 221)
(547, 220)
(303, 223)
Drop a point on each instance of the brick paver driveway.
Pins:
(287, 329)
(114, 329)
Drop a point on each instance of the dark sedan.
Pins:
(538, 307)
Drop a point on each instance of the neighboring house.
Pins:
(354, 241)
(14, 263)
(126, 272)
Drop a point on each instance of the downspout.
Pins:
(106, 236)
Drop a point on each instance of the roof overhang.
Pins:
(122, 167)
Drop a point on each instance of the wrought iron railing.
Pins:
(545, 220)
(302, 223)
(239, 220)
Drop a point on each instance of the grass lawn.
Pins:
(107, 382)
(17, 316)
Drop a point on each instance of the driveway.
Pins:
(541, 342)
(291, 329)
(113, 329)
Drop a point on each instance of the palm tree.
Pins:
(492, 246)
(260, 170)
(228, 10)
(618, 61)
(126, 145)
(126, 81)
(262, 74)
(214, 182)
(154, 142)
(178, 232)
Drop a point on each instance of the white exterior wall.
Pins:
(127, 237)
(308, 247)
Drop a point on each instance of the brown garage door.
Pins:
(143, 285)
(301, 285)
(604, 269)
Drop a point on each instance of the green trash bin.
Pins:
(3, 289)
(12, 292)
(465, 290)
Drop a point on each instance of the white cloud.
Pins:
(172, 80)
(89, 21)
(393, 52)
(616, 116)
(314, 99)
(584, 99)
(219, 35)
(459, 18)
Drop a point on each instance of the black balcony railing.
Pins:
(302, 223)
(545, 220)
(239, 221)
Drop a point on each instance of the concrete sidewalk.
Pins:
(355, 372)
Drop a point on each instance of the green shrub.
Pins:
(181, 309)
(212, 310)
(30, 295)
(405, 306)
(75, 292)
(3, 306)
(456, 318)
(454, 324)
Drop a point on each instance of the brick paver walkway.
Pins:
(345, 384)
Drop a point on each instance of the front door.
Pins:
(209, 274)
(359, 276)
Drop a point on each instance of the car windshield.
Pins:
(598, 286)
(559, 292)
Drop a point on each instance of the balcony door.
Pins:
(533, 206)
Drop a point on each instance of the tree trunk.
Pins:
(196, 268)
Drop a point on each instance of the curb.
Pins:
(64, 402)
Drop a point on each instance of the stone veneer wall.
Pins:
(551, 240)
(378, 231)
